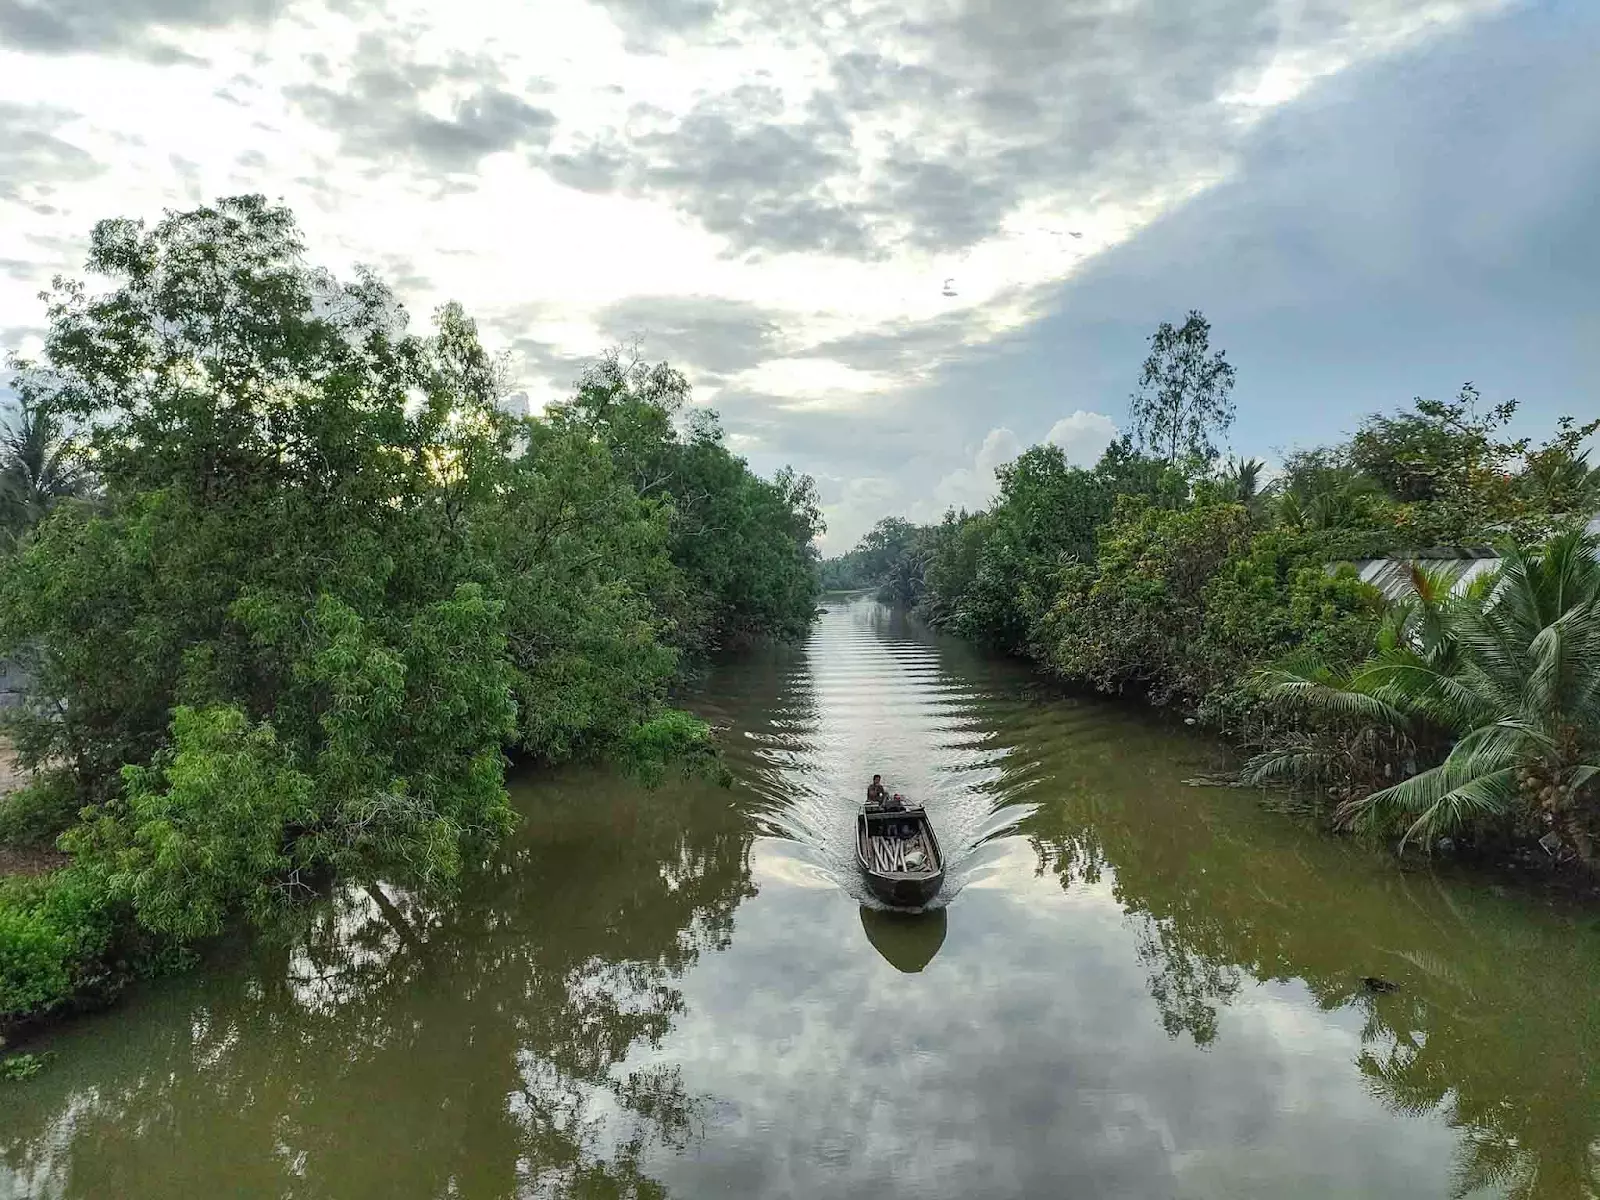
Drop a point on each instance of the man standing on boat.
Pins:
(876, 792)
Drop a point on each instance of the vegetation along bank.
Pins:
(1404, 625)
(285, 584)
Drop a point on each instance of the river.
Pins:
(1132, 988)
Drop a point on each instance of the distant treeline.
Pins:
(1167, 574)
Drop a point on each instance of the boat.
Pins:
(899, 855)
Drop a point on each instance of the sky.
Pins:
(1369, 199)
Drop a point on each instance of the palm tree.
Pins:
(39, 467)
(1510, 672)
(1241, 480)
(1340, 498)
(1359, 731)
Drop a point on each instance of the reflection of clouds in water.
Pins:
(1028, 1057)
(867, 695)
(350, 944)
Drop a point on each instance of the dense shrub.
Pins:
(37, 813)
(57, 934)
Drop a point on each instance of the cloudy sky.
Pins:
(1370, 199)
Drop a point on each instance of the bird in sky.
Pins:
(948, 289)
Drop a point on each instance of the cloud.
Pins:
(1083, 437)
(960, 117)
(750, 172)
(120, 26)
(436, 117)
(1345, 267)
(973, 487)
(772, 195)
(34, 161)
(716, 335)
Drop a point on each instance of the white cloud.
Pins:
(1083, 437)
(824, 168)
(974, 487)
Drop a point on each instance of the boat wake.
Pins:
(865, 694)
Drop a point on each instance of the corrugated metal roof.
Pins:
(1392, 576)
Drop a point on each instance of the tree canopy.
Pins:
(327, 583)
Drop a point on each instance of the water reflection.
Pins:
(1144, 989)
(907, 941)
(402, 1048)
(1495, 1027)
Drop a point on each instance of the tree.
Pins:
(1512, 676)
(331, 582)
(39, 467)
(1557, 479)
(1321, 490)
(744, 544)
(1436, 448)
(1045, 517)
(1184, 398)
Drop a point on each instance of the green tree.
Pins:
(1044, 519)
(1512, 676)
(1322, 490)
(39, 467)
(330, 582)
(1436, 449)
(1557, 479)
(1185, 394)
(745, 545)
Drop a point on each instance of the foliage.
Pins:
(17, 1067)
(1134, 620)
(1321, 489)
(990, 576)
(40, 467)
(957, 544)
(671, 739)
(1185, 394)
(56, 934)
(1512, 676)
(330, 582)
(744, 544)
(1464, 481)
(1557, 478)
(873, 558)
(1440, 449)
(35, 814)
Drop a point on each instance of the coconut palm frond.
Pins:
(39, 467)
(1321, 690)
(1581, 775)
(1561, 654)
(1440, 801)
(1289, 764)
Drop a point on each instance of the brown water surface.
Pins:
(1133, 988)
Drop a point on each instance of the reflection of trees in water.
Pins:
(1188, 987)
(403, 1047)
(1496, 1028)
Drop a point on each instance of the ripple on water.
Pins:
(861, 697)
